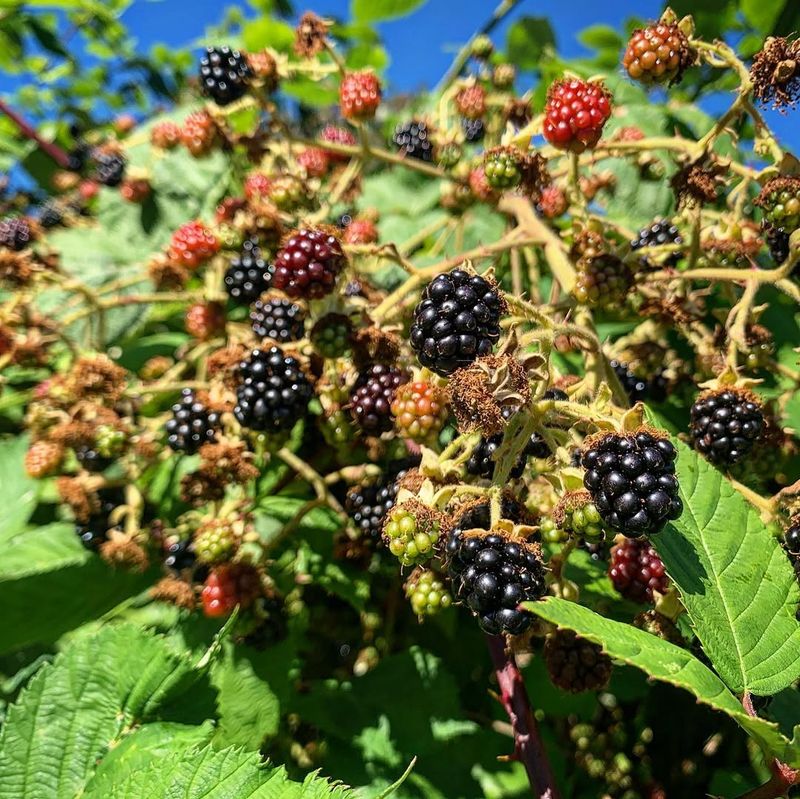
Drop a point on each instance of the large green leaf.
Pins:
(47, 569)
(736, 582)
(75, 709)
(374, 10)
(668, 663)
(527, 39)
(18, 491)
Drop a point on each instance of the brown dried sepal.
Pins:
(777, 185)
(697, 183)
(596, 438)
(228, 462)
(310, 35)
(122, 551)
(535, 175)
(223, 364)
(96, 377)
(174, 592)
(775, 72)
(80, 494)
(16, 268)
(373, 345)
(480, 392)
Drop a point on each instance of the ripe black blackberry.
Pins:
(493, 575)
(640, 389)
(457, 321)
(95, 532)
(778, 243)
(15, 233)
(191, 425)
(474, 129)
(224, 74)
(725, 424)
(179, 555)
(481, 462)
(50, 214)
(91, 460)
(78, 156)
(575, 664)
(660, 232)
(412, 139)
(557, 394)
(791, 539)
(371, 400)
(367, 505)
(277, 319)
(273, 392)
(248, 274)
(109, 168)
(631, 478)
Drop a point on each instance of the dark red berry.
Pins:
(371, 400)
(308, 263)
(636, 570)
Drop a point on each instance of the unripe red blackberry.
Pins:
(456, 321)
(224, 74)
(780, 202)
(192, 244)
(165, 135)
(372, 397)
(205, 320)
(725, 424)
(277, 319)
(411, 531)
(552, 202)
(658, 53)
(502, 167)
(427, 592)
(248, 275)
(575, 664)
(273, 392)
(315, 162)
(602, 280)
(412, 139)
(135, 190)
(192, 424)
(16, 233)
(43, 458)
(575, 114)
(631, 478)
(308, 263)
(257, 185)
(636, 571)
(471, 101)
(331, 335)
(479, 184)
(199, 133)
(660, 232)
(359, 95)
(337, 135)
(360, 231)
(493, 575)
(419, 410)
(215, 541)
(227, 586)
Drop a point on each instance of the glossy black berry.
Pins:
(109, 168)
(15, 233)
(661, 232)
(277, 319)
(631, 479)
(791, 539)
(50, 214)
(248, 275)
(95, 532)
(474, 130)
(179, 555)
(224, 74)
(725, 425)
(778, 243)
(412, 139)
(457, 321)
(273, 392)
(191, 425)
(91, 460)
(557, 394)
(371, 400)
(367, 505)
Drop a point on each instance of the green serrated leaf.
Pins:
(735, 580)
(668, 663)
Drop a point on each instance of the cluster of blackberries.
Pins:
(248, 274)
(224, 74)
(277, 319)
(191, 425)
(457, 321)
(412, 139)
(273, 392)
(725, 425)
(631, 479)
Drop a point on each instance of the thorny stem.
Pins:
(528, 747)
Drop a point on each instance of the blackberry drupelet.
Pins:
(636, 571)
(248, 275)
(308, 263)
(474, 130)
(109, 168)
(574, 664)
(778, 243)
(493, 575)
(635, 387)
(631, 479)
(659, 233)
(791, 538)
(725, 424)
(278, 319)
(95, 532)
(273, 392)
(367, 505)
(15, 233)
(371, 400)
(412, 139)
(224, 74)
(191, 425)
(179, 555)
(457, 321)
(91, 460)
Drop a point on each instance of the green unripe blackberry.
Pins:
(501, 167)
(215, 542)
(427, 592)
(331, 335)
(780, 202)
(481, 46)
(550, 532)
(576, 514)
(410, 532)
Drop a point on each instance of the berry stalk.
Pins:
(53, 150)
(528, 747)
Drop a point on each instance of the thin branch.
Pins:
(29, 132)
